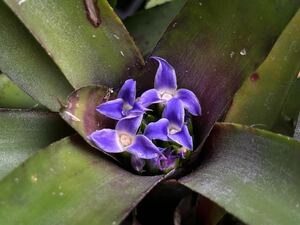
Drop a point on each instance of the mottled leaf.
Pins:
(148, 26)
(70, 183)
(80, 111)
(253, 174)
(84, 37)
(26, 63)
(261, 100)
(214, 46)
(11, 96)
(24, 132)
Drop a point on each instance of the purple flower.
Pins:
(124, 138)
(171, 126)
(165, 89)
(125, 105)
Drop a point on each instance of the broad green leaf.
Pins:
(11, 96)
(84, 37)
(24, 132)
(26, 63)
(70, 183)
(252, 173)
(80, 111)
(261, 100)
(148, 26)
(214, 46)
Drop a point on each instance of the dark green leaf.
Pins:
(148, 26)
(70, 183)
(26, 63)
(24, 132)
(261, 100)
(85, 38)
(214, 46)
(11, 96)
(253, 174)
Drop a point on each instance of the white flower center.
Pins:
(127, 107)
(173, 130)
(166, 95)
(125, 140)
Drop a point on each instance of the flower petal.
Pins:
(165, 77)
(190, 101)
(157, 130)
(174, 112)
(129, 125)
(128, 91)
(136, 110)
(112, 109)
(183, 138)
(149, 97)
(107, 140)
(143, 148)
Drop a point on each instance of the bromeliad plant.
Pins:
(71, 57)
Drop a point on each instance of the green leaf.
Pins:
(214, 46)
(70, 183)
(80, 111)
(261, 100)
(253, 174)
(24, 132)
(297, 130)
(148, 26)
(25, 62)
(11, 96)
(85, 38)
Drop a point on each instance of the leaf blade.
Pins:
(26, 63)
(24, 132)
(245, 169)
(95, 48)
(72, 191)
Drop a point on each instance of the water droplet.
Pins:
(232, 54)
(61, 193)
(200, 3)
(34, 178)
(243, 52)
(49, 53)
(94, 36)
(21, 2)
(114, 223)
(116, 36)
(122, 53)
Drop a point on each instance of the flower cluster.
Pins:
(153, 128)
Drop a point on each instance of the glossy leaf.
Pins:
(24, 132)
(253, 174)
(85, 38)
(260, 101)
(26, 63)
(80, 111)
(70, 183)
(148, 26)
(11, 96)
(214, 46)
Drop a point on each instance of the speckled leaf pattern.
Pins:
(214, 47)
(84, 37)
(148, 26)
(24, 132)
(69, 183)
(28, 65)
(261, 100)
(11, 96)
(253, 174)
